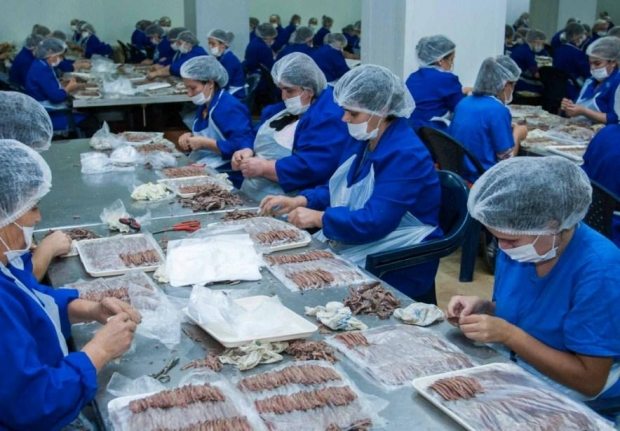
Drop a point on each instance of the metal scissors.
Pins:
(163, 375)
(186, 226)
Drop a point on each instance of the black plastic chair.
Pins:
(450, 155)
(555, 84)
(601, 211)
(453, 220)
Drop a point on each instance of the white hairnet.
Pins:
(431, 49)
(607, 48)
(48, 47)
(41, 30)
(375, 90)
(154, 30)
(302, 35)
(205, 68)
(265, 30)
(59, 34)
(25, 120)
(174, 33)
(86, 26)
(24, 177)
(226, 37)
(494, 73)
(337, 40)
(531, 196)
(165, 21)
(300, 70)
(189, 37)
(32, 41)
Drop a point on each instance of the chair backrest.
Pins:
(601, 211)
(447, 152)
(453, 209)
(554, 88)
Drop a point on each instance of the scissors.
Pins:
(131, 222)
(162, 375)
(186, 226)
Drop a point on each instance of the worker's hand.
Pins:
(566, 103)
(112, 340)
(461, 306)
(147, 61)
(253, 167)
(81, 64)
(467, 90)
(278, 205)
(519, 132)
(71, 86)
(486, 329)
(200, 142)
(184, 141)
(56, 244)
(573, 110)
(305, 218)
(238, 157)
(109, 307)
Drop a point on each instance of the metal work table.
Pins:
(76, 194)
(130, 100)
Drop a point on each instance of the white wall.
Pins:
(342, 11)
(583, 10)
(212, 14)
(515, 8)
(113, 19)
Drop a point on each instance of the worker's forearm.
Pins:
(599, 117)
(269, 170)
(81, 310)
(208, 144)
(41, 259)
(97, 356)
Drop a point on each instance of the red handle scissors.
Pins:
(186, 226)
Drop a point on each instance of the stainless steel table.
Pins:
(130, 100)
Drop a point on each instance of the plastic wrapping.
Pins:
(310, 395)
(571, 134)
(160, 160)
(194, 170)
(206, 258)
(125, 155)
(117, 287)
(510, 398)
(251, 355)
(336, 316)
(394, 355)
(150, 192)
(222, 402)
(139, 138)
(118, 87)
(111, 215)
(109, 256)
(420, 314)
(188, 187)
(103, 139)
(94, 162)
(102, 65)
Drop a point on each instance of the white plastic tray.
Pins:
(112, 246)
(297, 326)
(521, 378)
(175, 184)
(564, 150)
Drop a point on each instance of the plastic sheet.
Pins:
(310, 395)
(160, 160)
(118, 87)
(270, 234)
(250, 355)
(394, 355)
(102, 65)
(212, 257)
(571, 134)
(99, 163)
(110, 216)
(510, 398)
(188, 187)
(103, 139)
(420, 314)
(336, 316)
(117, 287)
(150, 192)
(126, 155)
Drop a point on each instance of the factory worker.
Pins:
(91, 43)
(525, 56)
(281, 38)
(601, 161)
(570, 58)
(482, 122)
(435, 89)
(258, 52)
(253, 24)
(301, 41)
(41, 30)
(74, 24)
(44, 387)
(67, 65)
(222, 125)
(299, 143)
(165, 22)
(319, 36)
(292, 26)
(140, 40)
(219, 46)
(596, 99)
(560, 37)
(187, 46)
(23, 60)
(385, 193)
(163, 53)
(330, 57)
(554, 305)
(509, 35)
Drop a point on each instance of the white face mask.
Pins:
(166, 29)
(200, 98)
(508, 99)
(359, 131)
(295, 106)
(15, 256)
(174, 46)
(274, 24)
(154, 41)
(215, 51)
(599, 74)
(74, 27)
(184, 49)
(538, 48)
(527, 253)
(85, 34)
(601, 33)
(56, 62)
(581, 40)
(312, 27)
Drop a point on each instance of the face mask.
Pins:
(56, 62)
(359, 131)
(274, 24)
(294, 105)
(85, 34)
(14, 256)
(527, 253)
(154, 41)
(538, 48)
(166, 29)
(312, 27)
(184, 49)
(601, 33)
(508, 98)
(74, 27)
(599, 74)
(581, 40)
(215, 51)
(174, 46)
(200, 98)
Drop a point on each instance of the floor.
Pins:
(448, 284)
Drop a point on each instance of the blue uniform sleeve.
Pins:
(33, 395)
(51, 87)
(175, 66)
(452, 92)
(235, 125)
(500, 132)
(66, 65)
(340, 65)
(318, 197)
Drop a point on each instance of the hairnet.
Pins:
(75, 21)
(254, 21)
(300, 70)
(143, 24)
(615, 32)
(337, 40)
(431, 49)
(25, 120)
(205, 68)
(86, 26)
(41, 30)
(24, 177)
(226, 37)
(494, 73)
(600, 23)
(276, 17)
(58, 34)
(32, 41)
(375, 90)
(174, 33)
(165, 21)
(574, 29)
(48, 47)
(188, 36)
(155, 30)
(265, 30)
(302, 35)
(531, 196)
(607, 48)
(534, 35)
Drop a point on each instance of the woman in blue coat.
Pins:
(435, 89)
(330, 57)
(385, 193)
(482, 122)
(554, 304)
(258, 52)
(35, 320)
(300, 141)
(525, 56)
(91, 43)
(23, 60)
(188, 47)
(319, 37)
(597, 97)
(301, 41)
(163, 53)
(222, 125)
(219, 47)
(570, 58)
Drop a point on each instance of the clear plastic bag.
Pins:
(161, 320)
(103, 139)
(102, 65)
(94, 162)
(117, 287)
(394, 355)
(160, 160)
(110, 216)
(118, 87)
(126, 155)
